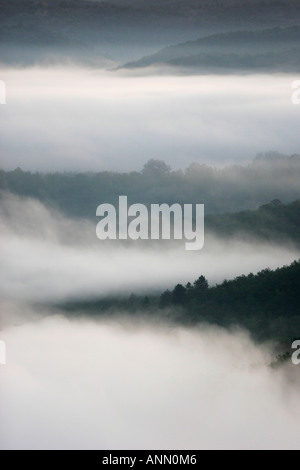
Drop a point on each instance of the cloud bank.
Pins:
(79, 119)
(46, 257)
(87, 385)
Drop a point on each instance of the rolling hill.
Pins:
(275, 49)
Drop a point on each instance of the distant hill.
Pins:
(275, 49)
(275, 222)
(230, 189)
(83, 29)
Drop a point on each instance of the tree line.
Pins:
(232, 188)
(266, 304)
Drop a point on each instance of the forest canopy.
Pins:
(266, 304)
(232, 188)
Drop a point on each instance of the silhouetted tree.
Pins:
(165, 299)
(156, 168)
(146, 302)
(179, 295)
(201, 284)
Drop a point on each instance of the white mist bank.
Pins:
(48, 257)
(71, 118)
(87, 385)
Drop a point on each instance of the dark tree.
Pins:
(165, 299)
(201, 284)
(146, 302)
(179, 295)
(156, 168)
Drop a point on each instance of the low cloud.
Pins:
(88, 385)
(48, 257)
(77, 119)
(83, 384)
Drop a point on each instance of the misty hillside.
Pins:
(50, 19)
(230, 189)
(267, 304)
(84, 29)
(274, 222)
(275, 49)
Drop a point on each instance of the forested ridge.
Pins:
(274, 222)
(230, 189)
(267, 304)
(269, 50)
(237, 205)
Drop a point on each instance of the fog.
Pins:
(48, 257)
(82, 384)
(119, 384)
(77, 119)
(86, 385)
(141, 380)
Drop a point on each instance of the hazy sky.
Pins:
(74, 119)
